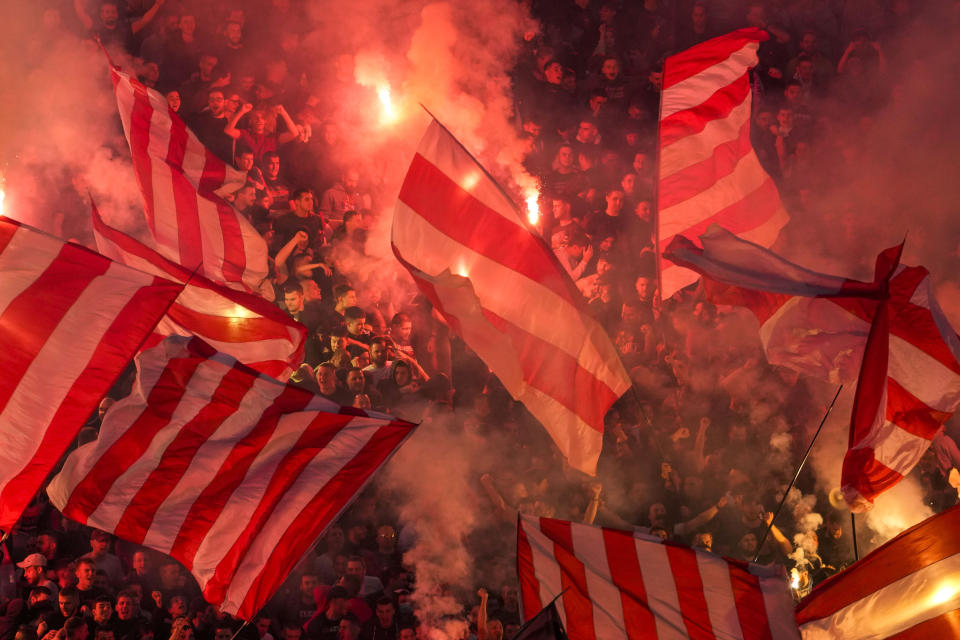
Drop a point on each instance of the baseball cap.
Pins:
(33, 560)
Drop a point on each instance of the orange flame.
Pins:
(533, 206)
(388, 111)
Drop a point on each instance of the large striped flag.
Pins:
(908, 589)
(180, 179)
(238, 323)
(70, 320)
(229, 471)
(501, 288)
(709, 172)
(819, 325)
(619, 585)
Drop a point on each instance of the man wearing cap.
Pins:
(326, 625)
(34, 574)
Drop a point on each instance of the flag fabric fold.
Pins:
(240, 324)
(890, 332)
(228, 471)
(619, 585)
(180, 180)
(709, 172)
(501, 288)
(906, 589)
(70, 321)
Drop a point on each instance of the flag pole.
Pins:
(796, 475)
(656, 190)
(853, 526)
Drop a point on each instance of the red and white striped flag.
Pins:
(501, 288)
(232, 473)
(709, 172)
(910, 380)
(618, 585)
(179, 179)
(907, 589)
(70, 320)
(240, 324)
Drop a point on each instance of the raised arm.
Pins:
(482, 632)
(781, 539)
(82, 15)
(231, 128)
(145, 19)
(293, 131)
(280, 261)
(691, 525)
(591, 513)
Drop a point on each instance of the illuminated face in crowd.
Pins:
(233, 33)
(109, 15)
(553, 73)
(125, 608)
(610, 69)
(355, 383)
(187, 24)
(173, 100)
(614, 202)
(215, 103)
(385, 613)
(102, 612)
(699, 16)
(293, 301)
(273, 167)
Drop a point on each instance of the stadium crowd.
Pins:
(700, 452)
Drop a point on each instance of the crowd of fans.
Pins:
(700, 452)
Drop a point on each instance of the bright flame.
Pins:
(389, 113)
(794, 579)
(533, 207)
(238, 312)
(943, 594)
(471, 180)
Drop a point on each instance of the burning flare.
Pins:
(533, 206)
(388, 113)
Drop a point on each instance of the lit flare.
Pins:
(533, 206)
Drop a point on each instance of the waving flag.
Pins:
(70, 320)
(240, 324)
(179, 178)
(617, 585)
(230, 472)
(906, 589)
(709, 172)
(909, 369)
(500, 287)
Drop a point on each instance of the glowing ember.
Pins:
(389, 113)
(533, 207)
